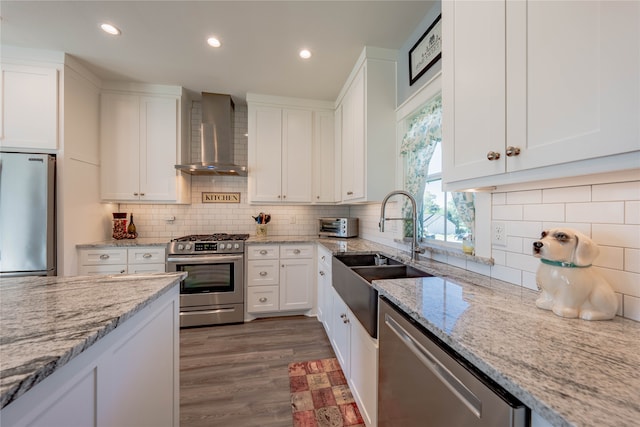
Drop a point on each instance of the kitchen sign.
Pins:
(220, 197)
(426, 52)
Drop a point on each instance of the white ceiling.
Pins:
(164, 42)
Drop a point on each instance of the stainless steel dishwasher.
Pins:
(423, 382)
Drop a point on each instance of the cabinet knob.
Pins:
(345, 320)
(263, 252)
(263, 299)
(343, 316)
(318, 197)
(263, 273)
(492, 155)
(147, 255)
(322, 257)
(121, 271)
(296, 251)
(141, 194)
(321, 273)
(284, 196)
(349, 193)
(512, 151)
(279, 196)
(135, 194)
(104, 256)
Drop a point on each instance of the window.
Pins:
(443, 216)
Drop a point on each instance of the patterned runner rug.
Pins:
(320, 396)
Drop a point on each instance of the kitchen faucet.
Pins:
(415, 249)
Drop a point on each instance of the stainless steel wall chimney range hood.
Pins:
(216, 139)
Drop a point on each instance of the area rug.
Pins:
(320, 395)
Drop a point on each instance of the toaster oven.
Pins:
(338, 227)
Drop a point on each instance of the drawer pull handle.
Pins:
(263, 299)
(263, 252)
(345, 320)
(104, 256)
(512, 151)
(296, 251)
(493, 155)
(121, 271)
(322, 273)
(147, 255)
(349, 193)
(263, 273)
(323, 257)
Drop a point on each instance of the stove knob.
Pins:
(221, 246)
(180, 246)
(188, 247)
(236, 246)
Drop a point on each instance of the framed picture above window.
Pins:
(426, 52)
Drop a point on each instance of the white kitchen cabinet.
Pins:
(284, 134)
(140, 137)
(367, 135)
(324, 158)
(539, 84)
(357, 353)
(324, 281)
(29, 107)
(280, 278)
(128, 377)
(141, 259)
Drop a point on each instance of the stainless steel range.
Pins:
(213, 292)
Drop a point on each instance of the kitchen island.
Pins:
(90, 344)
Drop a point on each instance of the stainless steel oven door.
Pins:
(212, 280)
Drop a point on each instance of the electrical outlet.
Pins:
(499, 233)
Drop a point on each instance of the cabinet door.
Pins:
(297, 138)
(473, 89)
(572, 72)
(340, 337)
(324, 159)
(29, 107)
(265, 154)
(263, 272)
(119, 146)
(296, 284)
(158, 148)
(364, 372)
(262, 299)
(353, 139)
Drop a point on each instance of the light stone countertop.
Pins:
(126, 243)
(47, 321)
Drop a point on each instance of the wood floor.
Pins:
(236, 375)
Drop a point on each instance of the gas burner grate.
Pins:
(216, 237)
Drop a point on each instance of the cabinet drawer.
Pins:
(89, 270)
(262, 299)
(103, 256)
(263, 272)
(296, 251)
(150, 255)
(262, 252)
(146, 268)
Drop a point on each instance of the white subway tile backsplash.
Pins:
(527, 229)
(596, 212)
(626, 283)
(507, 274)
(522, 262)
(631, 307)
(610, 257)
(544, 212)
(529, 280)
(524, 197)
(626, 236)
(506, 212)
(566, 194)
(498, 199)
(632, 213)
(616, 191)
(582, 227)
(632, 260)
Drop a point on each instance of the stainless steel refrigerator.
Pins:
(27, 214)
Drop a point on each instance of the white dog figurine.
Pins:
(570, 286)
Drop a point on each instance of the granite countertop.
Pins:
(571, 372)
(47, 321)
(126, 243)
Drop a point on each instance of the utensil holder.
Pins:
(119, 225)
(261, 230)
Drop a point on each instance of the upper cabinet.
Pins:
(529, 85)
(284, 133)
(140, 140)
(29, 107)
(366, 116)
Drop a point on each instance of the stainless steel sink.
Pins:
(383, 272)
(352, 277)
(363, 260)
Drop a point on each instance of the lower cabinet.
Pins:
(324, 285)
(280, 278)
(357, 353)
(139, 259)
(130, 377)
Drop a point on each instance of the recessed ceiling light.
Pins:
(110, 29)
(305, 54)
(213, 42)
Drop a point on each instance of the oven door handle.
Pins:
(203, 259)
